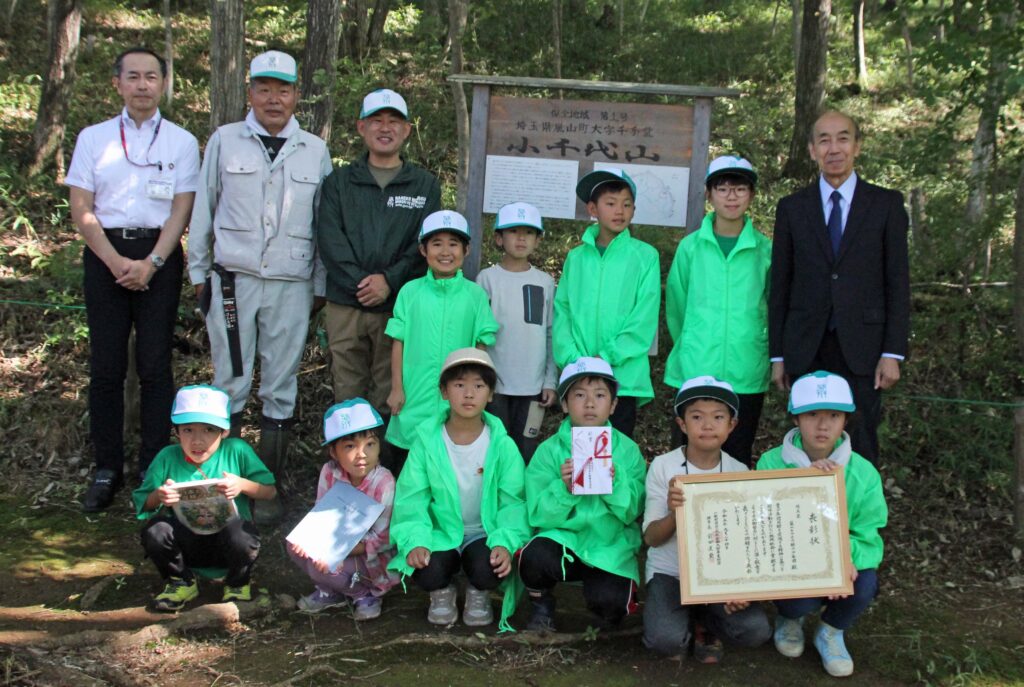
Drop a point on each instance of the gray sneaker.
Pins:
(442, 606)
(367, 608)
(478, 611)
(319, 601)
(789, 636)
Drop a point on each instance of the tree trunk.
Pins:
(908, 46)
(458, 12)
(65, 24)
(556, 36)
(1018, 265)
(168, 52)
(377, 21)
(622, 18)
(355, 19)
(796, 7)
(322, 32)
(227, 62)
(643, 11)
(858, 41)
(810, 85)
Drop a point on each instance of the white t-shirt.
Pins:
(664, 559)
(468, 464)
(120, 197)
(521, 303)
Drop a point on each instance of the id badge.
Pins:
(160, 189)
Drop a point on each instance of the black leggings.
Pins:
(475, 561)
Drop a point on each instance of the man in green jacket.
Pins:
(367, 232)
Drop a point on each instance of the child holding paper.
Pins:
(352, 437)
(592, 538)
(706, 412)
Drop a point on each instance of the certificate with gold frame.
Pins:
(772, 534)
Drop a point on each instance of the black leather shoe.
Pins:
(101, 492)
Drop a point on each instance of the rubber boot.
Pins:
(236, 425)
(274, 436)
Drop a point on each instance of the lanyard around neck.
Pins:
(124, 146)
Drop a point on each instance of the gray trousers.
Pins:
(667, 624)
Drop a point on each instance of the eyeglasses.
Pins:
(725, 191)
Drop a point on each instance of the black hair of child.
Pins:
(610, 187)
(613, 387)
(735, 179)
(375, 432)
(459, 236)
(681, 410)
(487, 374)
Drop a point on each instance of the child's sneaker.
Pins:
(789, 636)
(177, 592)
(478, 611)
(442, 606)
(367, 608)
(240, 593)
(834, 656)
(319, 600)
(543, 617)
(707, 648)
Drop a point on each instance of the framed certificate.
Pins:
(773, 534)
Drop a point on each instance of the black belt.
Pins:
(227, 290)
(133, 232)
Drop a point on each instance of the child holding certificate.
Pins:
(820, 404)
(352, 432)
(585, 535)
(706, 412)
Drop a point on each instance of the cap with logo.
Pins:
(820, 391)
(383, 99)
(349, 417)
(589, 183)
(444, 220)
(273, 64)
(731, 164)
(585, 367)
(467, 356)
(707, 387)
(201, 403)
(518, 215)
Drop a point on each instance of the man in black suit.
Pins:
(840, 284)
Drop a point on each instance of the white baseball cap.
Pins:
(349, 417)
(444, 220)
(820, 391)
(585, 367)
(518, 215)
(731, 164)
(707, 387)
(383, 99)
(201, 403)
(274, 64)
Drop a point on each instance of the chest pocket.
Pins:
(302, 190)
(240, 180)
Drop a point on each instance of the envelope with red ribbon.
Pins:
(591, 460)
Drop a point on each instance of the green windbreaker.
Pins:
(601, 529)
(433, 317)
(607, 306)
(428, 511)
(865, 501)
(717, 309)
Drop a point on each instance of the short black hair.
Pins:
(139, 50)
(458, 235)
(613, 386)
(610, 187)
(681, 410)
(376, 432)
(730, 177)
(487, 374)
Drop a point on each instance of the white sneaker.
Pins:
(478, 611)
(789, 636)
(832, 649)
(442, 606)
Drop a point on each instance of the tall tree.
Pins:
(1018, 265)
(168, 52)
(860, 52)
(556, 36)
(458, 13)
(796, 9)
(810, 84)
(64, 19)
(362, 31)
(227, 61)
(322, 34)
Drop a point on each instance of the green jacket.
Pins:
(602, 530)
(717, 309)
(362, 229)
(866, 510)
(607, 306)
(428, 512)
(433, 317)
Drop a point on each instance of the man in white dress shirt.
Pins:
(132, 182)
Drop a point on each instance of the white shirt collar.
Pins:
(290, 128)
(845, 189)
(149, 123)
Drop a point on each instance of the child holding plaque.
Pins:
(591, 538)
(820, 404)
(706, 412)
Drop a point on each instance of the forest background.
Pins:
(936, 85)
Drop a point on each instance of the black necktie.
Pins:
(835, 223)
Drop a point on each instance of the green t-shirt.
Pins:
(233, 456)
(726, 243)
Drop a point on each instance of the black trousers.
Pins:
(513, 411)
(740, 444)
(174, 549)
(624, 417)
(606, 594)
(112, 312)
(863, 425)
(475, 561)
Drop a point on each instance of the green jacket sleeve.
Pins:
(410, 264)
(486, 326)
(627, 497)
(676, 287)
(636, 335)
(549, 504)
(563, 343)
(410, 518)
(396, 324)
(335, 248)
(513, 527)
(867, 513)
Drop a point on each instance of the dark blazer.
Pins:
(867, 285)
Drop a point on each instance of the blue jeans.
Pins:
(839, 613)
(667, 624)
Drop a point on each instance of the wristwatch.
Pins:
(157, 261)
